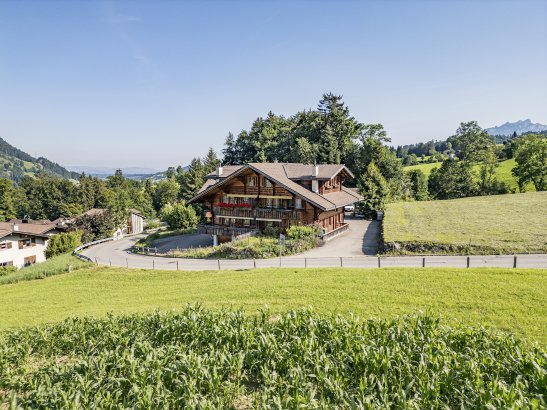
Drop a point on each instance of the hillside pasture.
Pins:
(514, 223)
(502, 172)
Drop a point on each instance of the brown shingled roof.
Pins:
(39, 228)
(227, 170)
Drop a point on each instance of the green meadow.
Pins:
(514, 223)
(512, 300)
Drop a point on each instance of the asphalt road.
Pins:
(115, 253)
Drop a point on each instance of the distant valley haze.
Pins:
(145, 85)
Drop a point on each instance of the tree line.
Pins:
(328, 134)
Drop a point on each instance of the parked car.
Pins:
(349, 208)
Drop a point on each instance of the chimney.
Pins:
(315, 185)
(315, 170)
(219, 171)
(15, 228)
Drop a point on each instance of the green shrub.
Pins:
(180, 216)
(5, 270)
(63, 243)
(302, 232)
(271, 231)
(152, 224)
(197, 358)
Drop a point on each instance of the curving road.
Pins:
(117, 253)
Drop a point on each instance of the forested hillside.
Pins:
(15, 164)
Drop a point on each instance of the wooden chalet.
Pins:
(243, 198)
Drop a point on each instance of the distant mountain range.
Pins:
(14, 164)
(103, 172)
(520, 127)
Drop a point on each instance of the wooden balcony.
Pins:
(253, 190)
(239, 212)
(260, 213)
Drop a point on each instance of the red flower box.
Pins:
(229, 205)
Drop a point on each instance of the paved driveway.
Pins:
(360, 240)
(194, 240)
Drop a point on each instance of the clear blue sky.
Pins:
(155, 83)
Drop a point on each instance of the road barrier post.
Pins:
(218, 261)
(126, 262)
(153, 264)
(379, 263)
(177, 265)
(423, 262)
(341, 263)
(96, 263)
(254, 263)
(305, 262)
(515, 261)
(468, 261)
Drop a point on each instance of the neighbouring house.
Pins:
(23, 242)
(251, 197)
(133, 224)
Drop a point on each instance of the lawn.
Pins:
(515, 223)
(510, 300)
(502, 173)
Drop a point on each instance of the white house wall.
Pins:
(17, 256)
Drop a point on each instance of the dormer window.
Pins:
(266, 182)
(252, 180)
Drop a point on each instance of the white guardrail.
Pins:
(76, 252)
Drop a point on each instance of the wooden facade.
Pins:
(251, 200)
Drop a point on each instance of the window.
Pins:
(30, 260)
(298, 203)
(269, 203)
(26, 242)
(5, 245)
(266, 182)
(252, 181)
(276, 203)
(9, 263)
(246, 222)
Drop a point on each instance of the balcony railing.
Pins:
(253, 190)
(265, 213)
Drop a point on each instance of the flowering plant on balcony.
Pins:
(229, 205)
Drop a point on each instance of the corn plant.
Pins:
(203, 359)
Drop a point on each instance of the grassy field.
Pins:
(503, 172)
(511, 300)
(53, 266)
(488, 224)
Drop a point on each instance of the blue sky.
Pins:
(154, 84)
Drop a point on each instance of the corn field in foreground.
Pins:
(197, 358)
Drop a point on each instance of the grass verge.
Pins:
(514, 223)
(53, 266)
(506, 299)
(252, 247)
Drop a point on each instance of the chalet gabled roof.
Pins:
(283, 174)
(292, 170)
